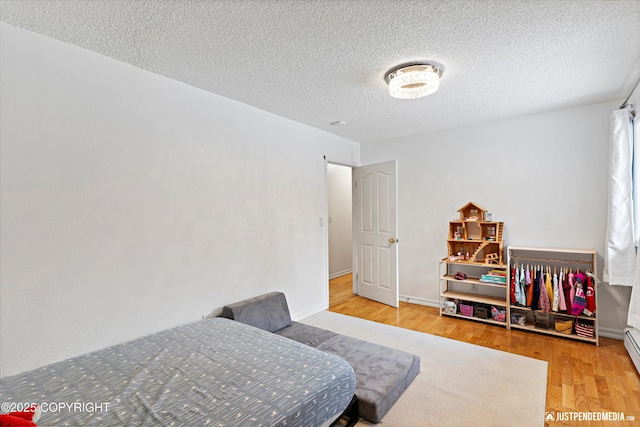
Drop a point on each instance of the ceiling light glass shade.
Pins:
(413, 81)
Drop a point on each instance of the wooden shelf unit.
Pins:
(473, 280)
(474, 247)
(583, 259)
(471, 290)
(532, 328)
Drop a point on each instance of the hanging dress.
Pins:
(563, 305)
(523, 284)
(535, 302)
(512, 290)
(570, 291)
(556, 294)
(548, 286)
(516, 283)
(544, 297)
(523, 295)
(528, 276)
(591, 295)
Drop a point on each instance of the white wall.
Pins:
(131, 203)
(544, 175)
(340, 203)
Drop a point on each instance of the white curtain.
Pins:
(633, 319)
(620, 248)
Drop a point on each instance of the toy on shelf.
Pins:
(472, 212)
(492, 258)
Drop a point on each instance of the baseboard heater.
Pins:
(632, 344)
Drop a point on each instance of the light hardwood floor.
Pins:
(581, 378)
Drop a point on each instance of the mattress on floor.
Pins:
(215, 372)
(382, 373)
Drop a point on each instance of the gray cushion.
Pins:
(306, 334)
(269, 312)
(382, 373)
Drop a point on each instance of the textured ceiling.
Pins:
(319, 61)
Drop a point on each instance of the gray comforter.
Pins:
(215, 372)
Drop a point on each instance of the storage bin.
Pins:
(499, 314)
(564, 326)
(584, 328)
(518, 319)
(449, 307)
(481, 311)
(466, 309)
(541, 320)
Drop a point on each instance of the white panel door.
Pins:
(376, 232)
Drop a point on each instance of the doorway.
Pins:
(340, 229)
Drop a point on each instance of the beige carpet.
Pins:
(459, 384)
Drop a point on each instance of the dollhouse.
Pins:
(473, 239)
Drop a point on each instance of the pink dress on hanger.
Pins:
(572, 292)
(563, 304)
(543, 300)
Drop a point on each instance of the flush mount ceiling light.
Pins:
(413, 80)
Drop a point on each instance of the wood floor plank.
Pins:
(581, 376)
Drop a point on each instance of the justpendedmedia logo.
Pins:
(588, 416)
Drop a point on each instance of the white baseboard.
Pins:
(317, 309)
(611, 333)
(340, 273)
(420, 301)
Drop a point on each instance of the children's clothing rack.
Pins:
(548, 318)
